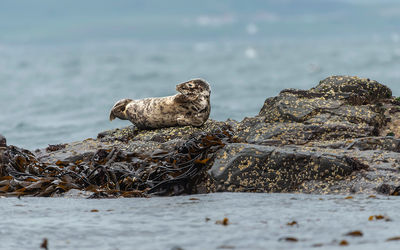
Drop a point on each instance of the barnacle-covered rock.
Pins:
(341, 136)
(3, 141)
(340, 107)
(301, 133)
(132, 133)
(244, 167)
(353, 89)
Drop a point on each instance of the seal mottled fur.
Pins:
(191, 106)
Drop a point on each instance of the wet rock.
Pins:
(127, 138)
(162, 135)
(376, 143)
(111, 170)
(341, 136)
(3, 156)
(353, 89)
(3, 142)
(244, 167)
(55, 147)
(340, 107)
(300, 133)
(385, 189)
(289, 106)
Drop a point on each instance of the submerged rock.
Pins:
(341, 136)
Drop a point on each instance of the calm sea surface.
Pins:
(258, 221)
(64, 64)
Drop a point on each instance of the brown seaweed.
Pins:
(113, 172)
(224, 222)
(44, 244)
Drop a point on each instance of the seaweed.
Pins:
(224, 222)
(356, 233)
(55, 147)
(114, 172)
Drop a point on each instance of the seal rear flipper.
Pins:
(119, 108)
(112, 116)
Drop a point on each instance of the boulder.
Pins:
(245, 167)
(340, 107)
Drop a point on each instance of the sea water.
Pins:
(258, 221)
(64, 64)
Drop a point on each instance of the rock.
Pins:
(130, 139)
(340, 137)
(340, 107)
(376, 143)
(300, 133)
(244, 167)
(104, 169)
(162, 135)
(3, 142)
(354, 90)
(3, 157)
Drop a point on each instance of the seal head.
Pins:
(194, 88)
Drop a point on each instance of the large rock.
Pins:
(353, 89)
(340, 107)
(341, 136)
(3, 142)
(128, 138)
(245, 167)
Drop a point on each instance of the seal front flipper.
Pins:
(183, 121)
(119, 109)
(195, 121)
(181, 98)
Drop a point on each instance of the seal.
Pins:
(191, 106)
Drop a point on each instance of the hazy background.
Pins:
(64, 63)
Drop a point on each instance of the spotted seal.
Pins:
(191, 106)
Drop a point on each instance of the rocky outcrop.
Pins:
(338, 137)
(247, 167)
(338, 108)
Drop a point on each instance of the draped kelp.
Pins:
(114, 172)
